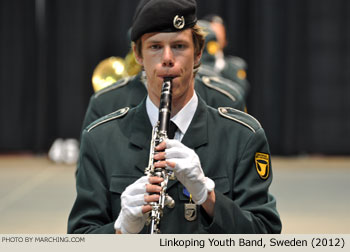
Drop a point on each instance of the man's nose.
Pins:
(168, 57)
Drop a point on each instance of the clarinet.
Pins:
(159, 134)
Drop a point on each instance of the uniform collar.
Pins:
(139, 130)
(182, 119)
(140, 126)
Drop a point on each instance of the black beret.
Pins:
(163, 16)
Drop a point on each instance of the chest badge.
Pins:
(262, 164)
(190, 211)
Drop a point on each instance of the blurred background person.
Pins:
(230, 67)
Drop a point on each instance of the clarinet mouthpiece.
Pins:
(168, 79)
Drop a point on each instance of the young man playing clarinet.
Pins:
(220, 157)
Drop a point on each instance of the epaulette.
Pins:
(111, 116)
(240, 117)
(118, 84)
(230, 84)
(220, 86)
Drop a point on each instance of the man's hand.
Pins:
(187, 168)
(134, 203)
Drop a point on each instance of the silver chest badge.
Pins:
(190, 211)
(179, 22)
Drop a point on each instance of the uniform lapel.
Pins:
(140, 134)
(197, 133)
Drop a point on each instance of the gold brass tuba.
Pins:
(107, 72)
(112, 69)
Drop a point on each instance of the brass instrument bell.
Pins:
(107, 72)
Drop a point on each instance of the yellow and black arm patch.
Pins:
(262, 164)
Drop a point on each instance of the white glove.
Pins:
(188, 170)
(131, 220)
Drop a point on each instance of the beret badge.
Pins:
(179, 22)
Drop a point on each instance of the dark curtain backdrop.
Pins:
(297, 52)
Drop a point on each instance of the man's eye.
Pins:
(179, 46)
(155, 47)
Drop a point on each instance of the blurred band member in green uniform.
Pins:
(230, 67)
(209, 59)
(220, 157)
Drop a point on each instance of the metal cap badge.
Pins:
(163, 16)
(179, 22)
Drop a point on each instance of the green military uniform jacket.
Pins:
(230, 72)
(130, 91)
(115, 151)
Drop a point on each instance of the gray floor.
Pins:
(312, 194)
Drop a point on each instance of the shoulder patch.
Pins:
(114, 115)
(240, 117)
(116, 85)
(207, 81)
(262, 164)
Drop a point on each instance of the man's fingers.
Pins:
(146, 208)
(159, 156)
(155, 180)
(161, 146)
(166, 164)
(160, 164)
(153, 188)
(148, 199)
(151, 198)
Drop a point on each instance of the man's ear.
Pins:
(198, 57)
(138, 58)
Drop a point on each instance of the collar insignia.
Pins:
(262, 164)
(179, 22)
